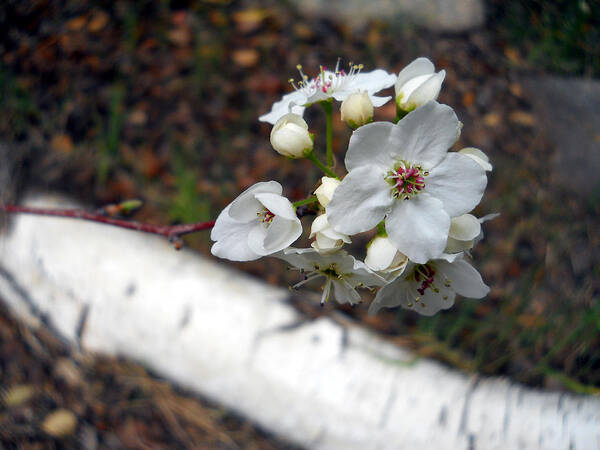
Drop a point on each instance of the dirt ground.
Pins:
(114, 100)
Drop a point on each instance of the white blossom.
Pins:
(428, 288)
(340, 270)
(404, 174)
(357, 109)
(338, 84)
(326, 238)
(418, 83)
(325, 191)
(290, 136)
(257, 223)
(478, 156)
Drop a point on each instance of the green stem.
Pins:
(327, 106)
(306, 201)
(326, 170)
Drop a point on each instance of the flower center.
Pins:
(265, 216)
(425, 274)
(327, 82)
(406, 179)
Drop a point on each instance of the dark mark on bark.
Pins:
(81, 324)
(389, 402)
(506, 420)
(471, 441)
(462, 428)
(186, 317)
(130, 289)
(443, 416)
(31, 305)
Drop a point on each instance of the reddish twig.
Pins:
(173, 232)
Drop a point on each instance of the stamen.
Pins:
(326, 292)
(306, 280)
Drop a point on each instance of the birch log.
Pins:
(237, 341)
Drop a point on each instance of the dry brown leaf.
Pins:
(492, 119)
(76, 23)
(245, 57)
(249, 20)
(62, 143)
(98, 21)
(522, 118)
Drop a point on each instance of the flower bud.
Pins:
(326, 238)
(357, 109)
(383, 256)
(324, 192)
(417, 83)
(290, 136)
(478, 156)
(462, 234)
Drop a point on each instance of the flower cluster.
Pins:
(403, 184)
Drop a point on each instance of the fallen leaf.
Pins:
(98, 21)
(60, 423)
(62, 143)
(250, 19)
(180, 36)
(246, 57)
(522, 118)
(17, 395)
(77, 23)
(468, 99)
(492, 119)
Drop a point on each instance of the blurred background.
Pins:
(159, 100)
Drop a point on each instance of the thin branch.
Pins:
(173, 232)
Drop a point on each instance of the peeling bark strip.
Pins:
(234, 339)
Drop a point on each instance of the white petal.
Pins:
(380, 253)
(256, 239)
(425, 134)
(292, 102)
(371, 82)
(464, 279)
(332, 234)
(379, 101)
(281, 233)
(420, 66)
(318, 225)
(296, 257)
(391, 295)
(458, 182)
(360, 202)
(344, 293)
(278, 205)
(431, 302)
(245, 206)
(370, 145)
(231, 239)
(410, 86)
(450, 257)
(465, 227)
(324, 243)
(478, 156)
(454, 246)
(429, 90)
(363, 275)
(419, 227)
(325, 191)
